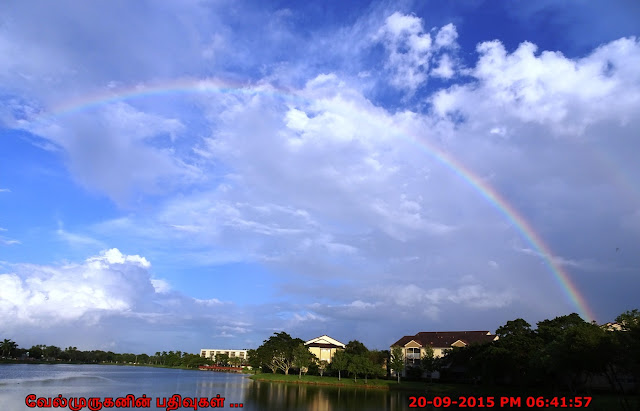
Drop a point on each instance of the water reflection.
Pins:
(17, 381)
(269, 396)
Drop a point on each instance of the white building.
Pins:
(212, 352)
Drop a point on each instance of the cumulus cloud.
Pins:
(411, 50)
(547, 88)
(96, 294)
(45, 295)
(445, 68)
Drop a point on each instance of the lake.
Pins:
(17, 381)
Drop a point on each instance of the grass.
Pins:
(346, 381)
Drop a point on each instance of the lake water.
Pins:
(17, 381)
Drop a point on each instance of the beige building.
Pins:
(612, 327)
(414, 346)
(212, 352)
(324, 347)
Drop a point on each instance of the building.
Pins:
(414, 346)
(324, 347)
(212, 352)
(612, 327)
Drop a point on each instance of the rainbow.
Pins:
(191, 86)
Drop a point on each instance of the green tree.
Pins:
(427, 361)
(515, 353)
(143, 358)
(194, 360)
(36, 352)
(52, 352)
(629, 320)
(355, 347)
(571, 350)
(371, 369)
(340, 362)
(302, 358)
(358, 364)
(222, 359)
(254, 360)
(397, 361)
(322, 365)
(278, 351)
(379, 357)
(266, 355)
(8, 347)
(625, 348)
(71, 353)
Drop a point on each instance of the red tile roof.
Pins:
(446, 338)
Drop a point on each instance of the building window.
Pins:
(413, 355)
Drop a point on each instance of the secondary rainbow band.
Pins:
(484, 189)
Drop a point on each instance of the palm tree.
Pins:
(7, 346)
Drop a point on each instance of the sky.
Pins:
(178, 175)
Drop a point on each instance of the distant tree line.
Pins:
(282, 353)
(51, 353)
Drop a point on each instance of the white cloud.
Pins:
(470, 295)
(446, 37)
(445, 67)
(76, 240)
(49, 297)
(113, 294)
(209, 302)
(128, 138)
(160, 286)
(411, 50)
(46, 295)
(548, 88)
(9, 241)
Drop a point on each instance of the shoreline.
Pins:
(375, 384)
(170, 367)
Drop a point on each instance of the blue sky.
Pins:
(280, 167)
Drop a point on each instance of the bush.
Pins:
(414, 373)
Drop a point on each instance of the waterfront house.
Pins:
(324, 347)
(414, 346)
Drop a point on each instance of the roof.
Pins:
(324, 340)
(446, 338)
(320, 345)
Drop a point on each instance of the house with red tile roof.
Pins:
(414, 346)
